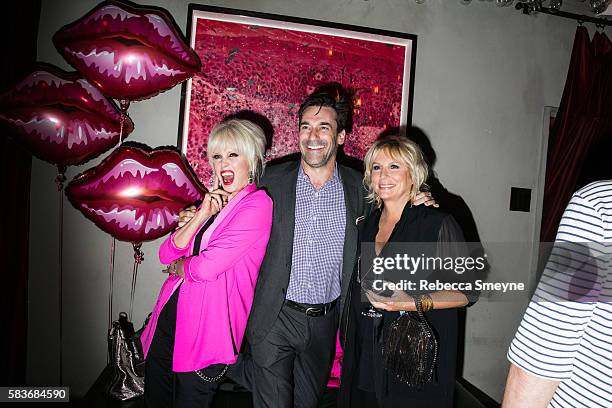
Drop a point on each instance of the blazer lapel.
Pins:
(287, 208)
(352, 199)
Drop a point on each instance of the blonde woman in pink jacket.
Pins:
(198, 322)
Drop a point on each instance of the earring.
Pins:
(251, 178)
(211, 182)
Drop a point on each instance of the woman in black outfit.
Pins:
(394, 173)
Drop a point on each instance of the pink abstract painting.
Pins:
(271, 70)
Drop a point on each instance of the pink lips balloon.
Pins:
(60, 117)
(134, 194)
(129, 52)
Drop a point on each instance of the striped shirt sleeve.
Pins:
(553, 326)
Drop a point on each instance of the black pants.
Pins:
(165, 388)
(291, 366)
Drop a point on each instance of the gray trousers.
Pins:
(290, 367)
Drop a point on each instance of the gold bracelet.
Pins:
(427, 303)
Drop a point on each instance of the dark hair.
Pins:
(335, 96)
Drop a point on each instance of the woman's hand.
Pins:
(212, 203)
(188, 213)
(401, 301)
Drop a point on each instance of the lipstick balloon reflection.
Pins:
(60, 117)
(130, 52)
(136, 193)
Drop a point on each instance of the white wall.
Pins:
(483, 77)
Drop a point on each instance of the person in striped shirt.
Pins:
(561, 355)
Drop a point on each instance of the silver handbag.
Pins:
(127, 360)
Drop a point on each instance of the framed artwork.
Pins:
(268, 64)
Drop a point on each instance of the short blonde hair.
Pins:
(398, 148)
(246, 137)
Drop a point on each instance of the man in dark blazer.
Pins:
(310, 256)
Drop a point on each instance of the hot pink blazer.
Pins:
(217, 292)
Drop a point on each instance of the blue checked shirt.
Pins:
(318, 241)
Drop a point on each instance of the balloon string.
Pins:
(60, 186)
(61, 177)
(121, 121)
(124, 104)
(138, 258)
(110, 291)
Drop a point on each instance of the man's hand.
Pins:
(176, 268)
(180, 267)
(425, 197)
(186, 215)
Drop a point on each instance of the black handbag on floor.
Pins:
(126, 360)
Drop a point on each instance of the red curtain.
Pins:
(20, 30)
(585, 116)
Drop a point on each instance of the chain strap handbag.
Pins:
(411, 349)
